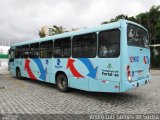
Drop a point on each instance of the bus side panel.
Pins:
(49, 68)
(12, 69)
(37, 69)
(108, 75)
(78, 83)
(12, 72)
(77, 72)
(71, 67)
(25, 67)
(103, 86)
(42, 70)
(109, 69)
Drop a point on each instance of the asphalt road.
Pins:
(28, 96)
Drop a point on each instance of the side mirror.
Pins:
(9, 51)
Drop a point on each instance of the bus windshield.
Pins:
(137, 36)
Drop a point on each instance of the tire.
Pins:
(62, 83)
(18, 74)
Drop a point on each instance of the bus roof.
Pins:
(112, 25)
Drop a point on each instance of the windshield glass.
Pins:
(137, 36)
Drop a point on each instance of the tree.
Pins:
(154, 17)
(151, 21)
(157, 33)
(41, 34)
(57, 29)
(142, 19)
(122, 16)
(51, 31)
(132, 18)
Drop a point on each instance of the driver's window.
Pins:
(11, 55)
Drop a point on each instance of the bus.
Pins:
(114, 57)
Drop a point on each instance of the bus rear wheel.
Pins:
(18, 74)
(62, 83)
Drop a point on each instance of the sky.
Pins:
(20, 20)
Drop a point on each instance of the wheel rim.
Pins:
(18, 74)
(62, 83)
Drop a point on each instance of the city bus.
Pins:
(114, 57)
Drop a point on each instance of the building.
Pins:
(47, 30)
(4, 55)
(4, 49)
(50, 30)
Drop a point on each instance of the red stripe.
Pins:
(28, 69)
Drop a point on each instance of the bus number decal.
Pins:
(134, 59)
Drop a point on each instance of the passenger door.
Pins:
(11, 62)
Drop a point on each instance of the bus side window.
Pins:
(25, 51)
(34, 50)
(46, 49)
(18, 52)
(85, 46)
(109, 43)
(62, 48)
(11, 55)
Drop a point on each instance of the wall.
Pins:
(4, 55)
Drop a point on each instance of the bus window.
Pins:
(137, 36)
(85, 46)
(109, 43)
(25, 51)
(62, 48)
(11, 55)
(18, 52)
(34, 50)
(46, 49)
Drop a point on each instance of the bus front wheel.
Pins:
(18, 74)
(62, 83)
